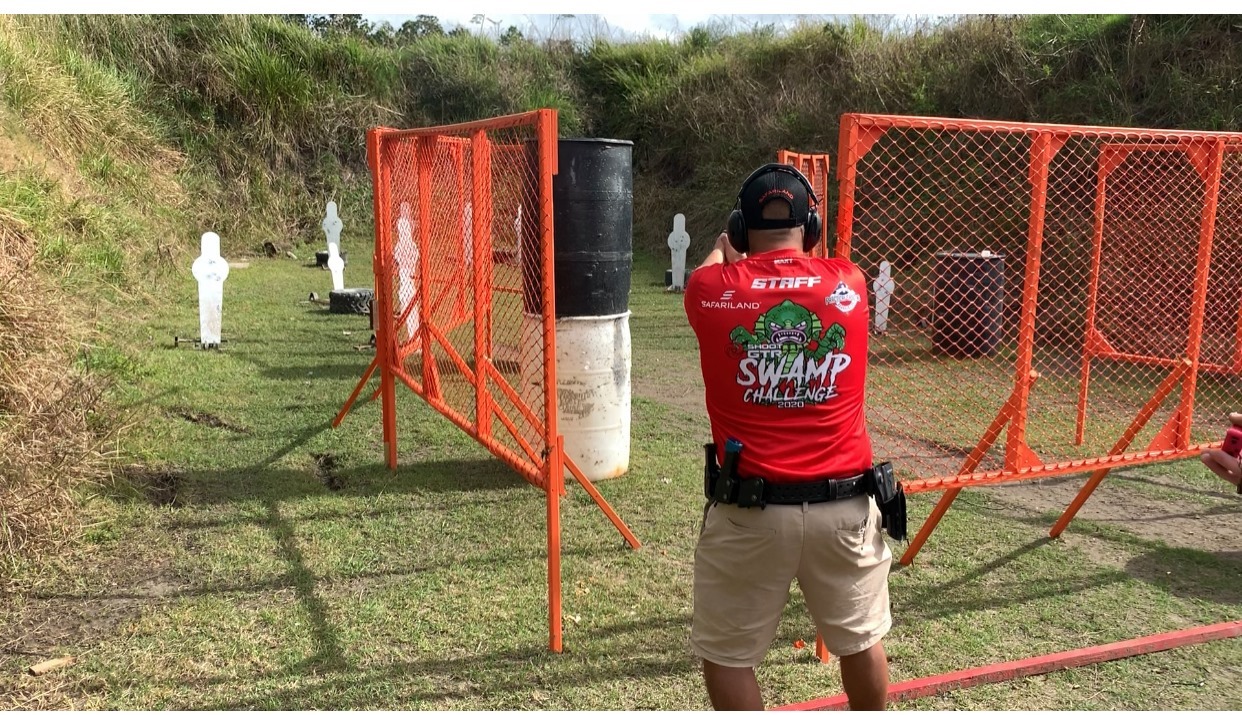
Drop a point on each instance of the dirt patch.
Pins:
(671, 391)
(207, 419)
(50, 624)
(159, 485)
(666, 376)
(914, 458)
(326, 466)
(18, 153)
(1194, 522)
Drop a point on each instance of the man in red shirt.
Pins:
(783, 345)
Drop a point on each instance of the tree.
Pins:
(511, 36)
(421, 26)
(383, 34)
(352, 25)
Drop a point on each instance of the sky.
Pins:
(585, 24)
(542, 13)
(559, 18)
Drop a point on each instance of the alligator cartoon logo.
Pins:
(792, 329)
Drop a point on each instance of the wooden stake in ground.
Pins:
(48, 666)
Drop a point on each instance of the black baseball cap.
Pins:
(774, 182)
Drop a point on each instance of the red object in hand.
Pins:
(1233, 442)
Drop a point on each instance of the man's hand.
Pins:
(731, 255)
(722, 252)
(1223, 466)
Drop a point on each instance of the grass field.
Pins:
(272, 562)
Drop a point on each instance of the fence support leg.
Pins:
(990, 435)
(1140, 420)
(366, 377)
(601, 503)
(555, 483)
(821, 650)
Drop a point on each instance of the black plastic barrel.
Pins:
(968, 301)
(593, 225)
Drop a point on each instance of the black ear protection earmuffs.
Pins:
(736, 227)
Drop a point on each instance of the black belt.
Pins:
(809, 492)
(814, 492)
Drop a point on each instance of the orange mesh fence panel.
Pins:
(468, 326)
(464, 305)
(815, 168)
(1065, 299)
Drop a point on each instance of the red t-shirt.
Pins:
(783, 344)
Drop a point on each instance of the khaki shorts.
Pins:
(746, 560)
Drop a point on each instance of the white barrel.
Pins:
(592, 391)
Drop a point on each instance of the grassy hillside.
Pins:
(263, 119)
(122, 138)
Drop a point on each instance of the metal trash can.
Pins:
(968, 301)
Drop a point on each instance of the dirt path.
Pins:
(1179, 514)
(1149, 505)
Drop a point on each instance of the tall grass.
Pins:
(49, 443)
(707, 108)
(76, 106)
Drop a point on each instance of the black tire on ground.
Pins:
(353, 301)
(321, 258)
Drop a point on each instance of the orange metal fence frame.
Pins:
(816, 168)
(1094, 245)
(464, 298)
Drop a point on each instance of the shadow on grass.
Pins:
(326, 371)
(328, 652)
(269, 492)
(250, 484)
(979, 590)
(347, 362)
(419, 682)
(268, 488)
(260, 482)
(1186, 573)
(281, 527)
(1214, 576)
(1180, 487)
